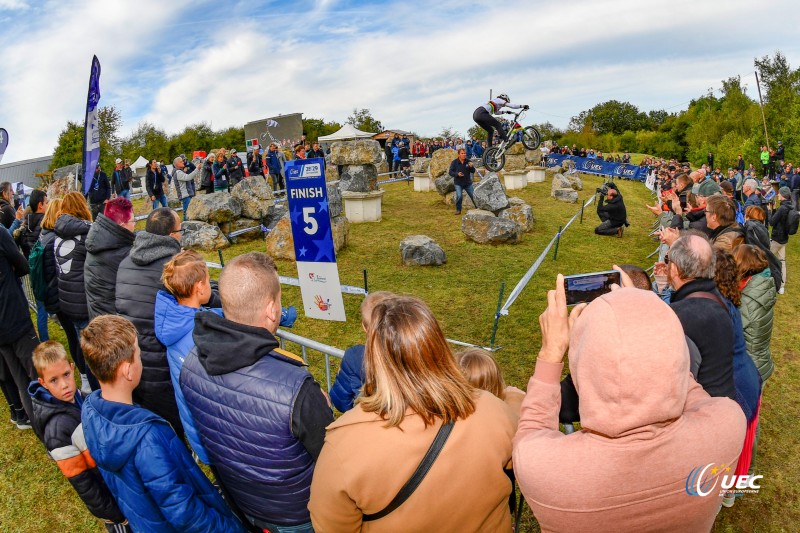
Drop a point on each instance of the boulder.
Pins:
(214, 208)
(173, 202)
(421, 164)
(444, 184)
(485, 228)
(280, 243)
(63, 181)
(334, 199)
(331, 172)
(514, 200)
(567, 165)
(575, 182)
(565, 195)
(533, 157)
(421, 250)
(255, 196)
(560, 182)
(383, 167)
(466, 202)
(278, 212)
(340, 230)
(490, 195)
(359, 178)
(358, 152)
(245, 223)
(202, 236)
(516, 149)
(521, 214)
(440, 162)
(515, 162)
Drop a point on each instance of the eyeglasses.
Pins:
(179, 230)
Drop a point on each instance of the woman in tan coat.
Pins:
(413, 387)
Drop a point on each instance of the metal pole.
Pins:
(366, 290)
(761, 106)
(497, 313)
(581, 212)
(221, 261)
(558, 240)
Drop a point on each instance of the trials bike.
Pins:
(494, 158)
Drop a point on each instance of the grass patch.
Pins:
(463, 295)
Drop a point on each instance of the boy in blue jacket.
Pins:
(57, 420)
(147, 468)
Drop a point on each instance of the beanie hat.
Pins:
(708, 188)
(785, 192)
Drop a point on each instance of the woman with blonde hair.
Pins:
(483, 372)
(69, 250)
(420, 427)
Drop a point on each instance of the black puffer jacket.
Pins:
(7, 213)
(780, 222)
(138, 282)
(70, 254)
(47, 237)
(107, 244)
(29, 233)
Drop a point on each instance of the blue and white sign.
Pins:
(3, 142)
(605, 168)
(317, 270)
(91, 127)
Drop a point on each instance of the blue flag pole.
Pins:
(91, 127)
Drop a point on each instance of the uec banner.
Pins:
(605, 168)
(317, 270)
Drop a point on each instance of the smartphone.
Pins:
(583, 288)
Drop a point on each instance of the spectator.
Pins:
(756, 233)
(220, 170)
(145, 465)
(483, 373)
(57, 420)
(721, 220)
(154, 183)
(276, 160)
(235, 168)
(184, 182)
(630, 362)
(261, 415)
(7, 211)
(188, 290)
(350, 378)
(99, 192)
(138, 283)
(780, 230)
(17, 336)
(69, 249)
(414, 393)
(461, 171)
(28, 236)
(612, 214)
(696, 301)
(207, 173)
(120, 185)
(108, 242)
(299, 151)
(403, 155)
(315, 151)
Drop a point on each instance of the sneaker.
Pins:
(780, 291)
(22, 421)
(620, 232)
(85, 388)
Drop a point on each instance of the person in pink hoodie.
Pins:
(645, 423)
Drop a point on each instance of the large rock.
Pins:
(575, 182)
(202, 236)
(560, 182)
(521, 214)
(444, 184)
(567, 165)
(245, 223)
(340, 230)
(565, 195)
(280, 243)
(533, 157)
(214, 208)
(515, 162)
(421, 250)
(358, 152)
(331, 172)
(440, 162)
(278, 212)
(421, 164)
(466, 202)
(490, 195)
(516, 149)
(485, 228)
(255, 196)
(63, 181)
(359, 178)
(515, 200)
(334, 199)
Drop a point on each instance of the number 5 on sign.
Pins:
(308, 218)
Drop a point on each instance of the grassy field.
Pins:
(463, 294)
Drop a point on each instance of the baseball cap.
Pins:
(118, 161)
(708, 188)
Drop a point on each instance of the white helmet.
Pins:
(504, 96)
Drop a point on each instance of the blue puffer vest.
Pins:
(244, 419)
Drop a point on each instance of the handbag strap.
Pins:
(708, 296)
(419, 474)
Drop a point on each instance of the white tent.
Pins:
(139, 167)
(348, 132)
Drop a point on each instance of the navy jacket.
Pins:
(100, 189)
(350, 379)
(58, 425)
(15, 320)
(465, 168)
(158, 486)
(260, 414)
(107, 244)
(70, 252)
(50, 268)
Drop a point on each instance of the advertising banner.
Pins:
(317, 270)
(91, 127)
(3, 142)
(604, 168)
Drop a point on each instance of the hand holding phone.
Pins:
(583, 288)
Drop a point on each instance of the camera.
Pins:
(602, 190)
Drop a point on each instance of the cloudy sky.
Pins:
(417, 66)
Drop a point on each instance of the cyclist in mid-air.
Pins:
(483, 116)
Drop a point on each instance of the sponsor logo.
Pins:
(622, 170)
(323, 304)
(711, 479)
(592, 165)
(316, 278)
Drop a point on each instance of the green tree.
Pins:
(194, 137)
(69, 149)
(232, 137)
(547, 131)
(314, 128)
(615, 117)
(476, 132)
(448, 132)
(147, 141)
(363, 120)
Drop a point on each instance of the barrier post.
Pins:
(366, 290)
(581, 212)
(497, 314)
(221, 261)
(558, 240)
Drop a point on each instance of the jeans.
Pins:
(41, 321)
(160, 200)
(125, 194)
(459, 195)
(185, 201)
(780, 252)
(273, 528)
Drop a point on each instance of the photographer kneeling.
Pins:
(612, 214)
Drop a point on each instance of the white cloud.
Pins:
(13, 5)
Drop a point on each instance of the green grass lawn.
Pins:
(463, 294)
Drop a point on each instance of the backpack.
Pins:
(36, 274)
(792, 221)
(739, 214)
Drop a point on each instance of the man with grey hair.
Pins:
(702, 311)
(261, 415)
(750, 193)
(184, 182)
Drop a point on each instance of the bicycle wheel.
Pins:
(491, 161)
(531, 138)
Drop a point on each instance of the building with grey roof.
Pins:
(25, 170)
